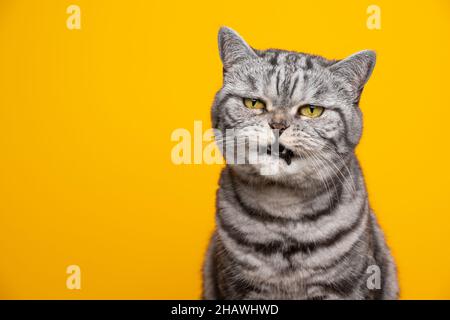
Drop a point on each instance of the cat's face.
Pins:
(306, 103)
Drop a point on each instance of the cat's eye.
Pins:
(311, 111)
(254, 103)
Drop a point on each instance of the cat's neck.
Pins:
(300, 194)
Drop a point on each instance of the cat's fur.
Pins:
(306, 232)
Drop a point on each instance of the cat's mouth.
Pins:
(283, 153)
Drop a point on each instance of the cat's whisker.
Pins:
(345, 181)
(316, 169)
(343, 162)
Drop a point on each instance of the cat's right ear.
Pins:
(357, 68)
(232, 48)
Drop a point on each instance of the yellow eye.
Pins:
(254, 103)
(311, 111)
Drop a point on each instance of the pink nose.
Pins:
(280, 126)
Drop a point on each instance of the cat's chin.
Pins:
(285, 154)
(280, 167)
(274, 167)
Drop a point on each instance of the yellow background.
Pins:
(86, 117)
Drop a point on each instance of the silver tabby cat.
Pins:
(307, 231)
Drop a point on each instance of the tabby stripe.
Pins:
(321, 90)
(335, 200)
(291, 246)
(262, 215)
(232, 118)
(294, 87)
(243, 287)
(225, 98)
(346, 130)
(269, 75)
(378, 294)
(278, 83)
(344, 256)
(237, 263)
(327, 242)
(346, 285)
(252, 82)
(309, 64)
(274, 59)
(214, 275)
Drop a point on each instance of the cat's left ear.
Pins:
(233, 48)
(357, 68)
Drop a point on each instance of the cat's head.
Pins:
(306, 102)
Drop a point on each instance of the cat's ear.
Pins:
(233, 48)
(357, 68)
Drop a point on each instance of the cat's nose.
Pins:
(280, 126)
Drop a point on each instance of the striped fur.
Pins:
(306, 232)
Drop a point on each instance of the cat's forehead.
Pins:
(293, 59)
(285, 77)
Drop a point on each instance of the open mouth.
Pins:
(283, 153)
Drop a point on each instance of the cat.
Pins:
(306, 231)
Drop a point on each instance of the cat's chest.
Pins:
(282, 281)
(278, 202)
